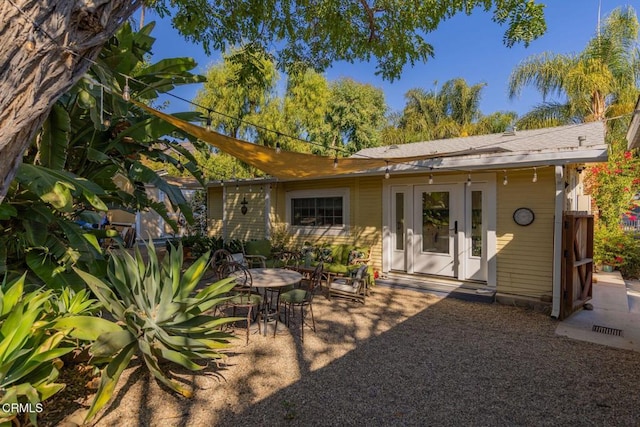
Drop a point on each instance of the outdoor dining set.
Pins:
(284, 290)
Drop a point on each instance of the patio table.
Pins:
(272, 278)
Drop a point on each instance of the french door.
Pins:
(440, 229)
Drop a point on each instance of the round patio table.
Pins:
(272, 278)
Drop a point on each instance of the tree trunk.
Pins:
(67, 36)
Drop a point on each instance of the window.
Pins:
(318, 211)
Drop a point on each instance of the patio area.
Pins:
(404, 358)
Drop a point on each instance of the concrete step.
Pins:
(451, 288)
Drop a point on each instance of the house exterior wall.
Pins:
(215, 211)
(525, 254)
(365, 212)
(247, 226)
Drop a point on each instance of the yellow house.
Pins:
(483, 210)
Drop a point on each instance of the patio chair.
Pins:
(219, 259)
(354, 288)
(302, 298)
(244, 296)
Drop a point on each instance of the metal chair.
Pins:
(300, 297)
(219, 259)
(244, 295)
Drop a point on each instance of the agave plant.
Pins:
(162, 315)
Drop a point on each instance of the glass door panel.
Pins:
(435, 222)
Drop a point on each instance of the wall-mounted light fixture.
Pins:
(244, 204)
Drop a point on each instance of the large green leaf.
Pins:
(109, 343)
(140, 172)
(51, 273)
(7, 211)
(11, 294)
(55, 138)
(109, 378)
(57, 187)
(83, 242)
(87, 328)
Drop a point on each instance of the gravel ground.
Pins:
(405, 358)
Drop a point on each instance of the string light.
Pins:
(30, 44)
(535, 175)
(126, 92)
(430, 178)
(209, 120)
(278, 148)
(469, 180)
(387, 175)
(505, 181)
(335, 162)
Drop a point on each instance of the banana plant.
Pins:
(90, 136)
(162, 313)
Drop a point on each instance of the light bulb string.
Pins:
(127, 77)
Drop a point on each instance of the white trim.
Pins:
(224, 213)
(557, 242)
(320, 230)
(267, 212)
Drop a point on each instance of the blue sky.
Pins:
(465, 46)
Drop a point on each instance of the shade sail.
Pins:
(285, 164)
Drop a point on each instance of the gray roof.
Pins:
(570, 137)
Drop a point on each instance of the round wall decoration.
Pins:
(523, 216)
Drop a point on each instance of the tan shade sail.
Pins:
(283, 165)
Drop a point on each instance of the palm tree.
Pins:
(599, 82)
(452, 111)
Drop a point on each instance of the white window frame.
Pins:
(325, 230)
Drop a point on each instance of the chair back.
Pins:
(243, 279)
(289, 259)
(315, 282)
(219, 259)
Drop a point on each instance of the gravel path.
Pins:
(406, 359)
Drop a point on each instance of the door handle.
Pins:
(455, 227)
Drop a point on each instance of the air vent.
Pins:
(607, 331)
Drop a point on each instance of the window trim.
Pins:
(327, 230)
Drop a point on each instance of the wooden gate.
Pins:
(577, 262)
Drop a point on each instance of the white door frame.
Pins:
(484, 181)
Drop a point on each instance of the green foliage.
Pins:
(70, 168)
(316, 34)
(452, 111)
(33, 332)
(355, 116)
(599, 82)
(160, 313)
(614, 247)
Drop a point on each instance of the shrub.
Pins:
(612, 246)
(33, 333)
(160, 314)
